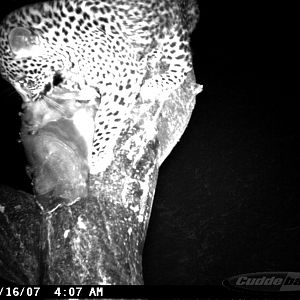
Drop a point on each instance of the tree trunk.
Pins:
(81, 228)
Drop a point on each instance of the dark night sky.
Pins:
(227, 199)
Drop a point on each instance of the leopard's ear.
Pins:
(23, 43)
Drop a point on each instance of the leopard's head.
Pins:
(26, 60)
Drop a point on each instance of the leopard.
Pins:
(102, 50)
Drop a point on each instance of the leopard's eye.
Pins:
(20, 79)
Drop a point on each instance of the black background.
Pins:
(227, 199)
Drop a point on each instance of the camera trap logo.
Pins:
(265, 282)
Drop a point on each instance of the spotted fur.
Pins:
(106, 45)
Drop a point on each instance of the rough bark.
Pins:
(87, 229)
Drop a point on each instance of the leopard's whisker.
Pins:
(51, 102)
